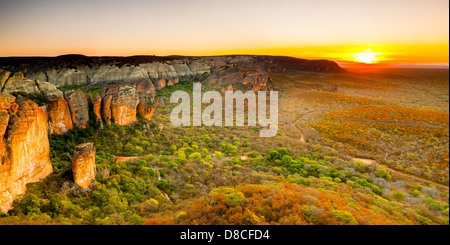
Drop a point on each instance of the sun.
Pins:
(367, 57)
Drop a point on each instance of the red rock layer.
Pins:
(96, 105)
(25, 149)
(83, 165)
(124, 101)
(79, 108)
(59, 117)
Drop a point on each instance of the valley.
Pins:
(351, 148)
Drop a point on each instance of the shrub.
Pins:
(415, 193)
(433, 204)
(218, 154)
(382, 173)
(398, 195)
(253, 154)
(283, 152)
(286, 160)
(374, 188)
(162, 184)
(344, 216)
(195, 156)
(274, 155)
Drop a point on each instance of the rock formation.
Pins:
(24, 147)
(77, 69)
(83, 165)
(95, 104)
(79, 107)
(4, 76)
(147, 93)
(129, 86)
(106, 109)
(59, 117)
(124, 101)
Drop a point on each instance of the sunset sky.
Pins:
(396, 32)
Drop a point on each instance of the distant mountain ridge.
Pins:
(29, 65)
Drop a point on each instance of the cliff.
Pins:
(24, 147)
(124, 100)
(32, 107)
(78, 69)
(79, 107)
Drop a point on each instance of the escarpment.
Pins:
(24, 147)
(102, 90)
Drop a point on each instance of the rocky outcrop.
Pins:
(83, 165)
(18, 83)
(7, 106)
(257, 80)
(160, 83)
(106, 109)
(239, 77)
(4, 76)
(79, 107)
(59, 117)
(147, 93)
(24, 147)
(95, 105)
(77, 69)
(123, 101)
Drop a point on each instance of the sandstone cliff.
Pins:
(77, 69)
(129, 86)
(83, 165)
(24, 147)
(95, 105)
(59, 117)
(79, 107)
(124, 101)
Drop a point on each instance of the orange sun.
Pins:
(367, 57)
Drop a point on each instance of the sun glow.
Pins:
(367, 57)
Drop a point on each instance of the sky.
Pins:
(398, 32)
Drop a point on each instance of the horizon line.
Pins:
(342, 63)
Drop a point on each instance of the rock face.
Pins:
(124, 101)
(147, 93)
(240, 77)
(95, 104)
(24, 147)
(83, 165)
(18, 83)
(79, 107)
(129, 86)
(4, 76)
(257, 80)
(59, 117)
(77, 69)
(106, 109)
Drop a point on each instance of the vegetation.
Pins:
(231, 176)
(93, 90)
(40, 98)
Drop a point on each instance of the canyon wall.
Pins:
(24, 147)
(32, 107)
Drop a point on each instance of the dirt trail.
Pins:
(302, 136)
(365, 161)
(165, 194)
(400, 174)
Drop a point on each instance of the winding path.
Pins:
(372, 162)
